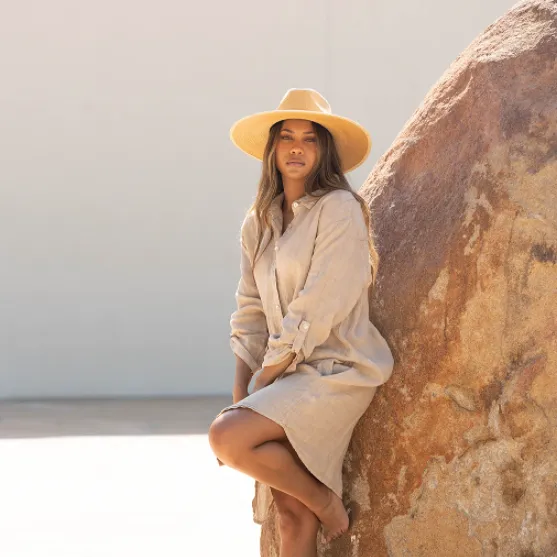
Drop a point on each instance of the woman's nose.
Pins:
(295, 149)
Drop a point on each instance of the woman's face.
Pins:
(296, 149)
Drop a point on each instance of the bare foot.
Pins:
(333, 516)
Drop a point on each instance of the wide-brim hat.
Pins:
(352, 140)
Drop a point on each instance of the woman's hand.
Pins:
(260, 382)
(270, 373)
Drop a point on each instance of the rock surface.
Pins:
(457, 454)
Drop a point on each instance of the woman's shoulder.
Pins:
(339, 204)
(251, 231)
(249, 225)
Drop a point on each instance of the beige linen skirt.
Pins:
(318, 406)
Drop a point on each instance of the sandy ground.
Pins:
(118, 478)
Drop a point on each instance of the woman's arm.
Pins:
(248, 324)
(242, 380)
(339, 271)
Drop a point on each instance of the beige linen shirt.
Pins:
(307, 292)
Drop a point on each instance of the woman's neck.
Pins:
(292, 191)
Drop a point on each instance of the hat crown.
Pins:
(251, 133)
(304, 99)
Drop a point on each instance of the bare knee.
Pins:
(222, 439)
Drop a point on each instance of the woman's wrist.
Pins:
(270, 373)
(281, 366)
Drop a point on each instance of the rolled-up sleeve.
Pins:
(339, 271)
(248, 324)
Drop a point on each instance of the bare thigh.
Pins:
(242, 429)
(291, 450)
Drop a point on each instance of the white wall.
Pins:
(121, 195)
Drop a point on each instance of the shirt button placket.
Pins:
(275, 286)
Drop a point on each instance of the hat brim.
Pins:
(353, 142)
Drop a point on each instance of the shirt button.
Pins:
(295, 204)
(277, 306)
(276, 248)
(305, 325)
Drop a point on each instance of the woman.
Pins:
(302, 319)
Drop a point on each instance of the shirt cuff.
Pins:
(301, 335)
(281, 352)
(238, 349)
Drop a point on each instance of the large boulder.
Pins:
(457, 455)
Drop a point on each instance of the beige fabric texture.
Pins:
(307, 293)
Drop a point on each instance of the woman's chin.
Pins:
(297, 171)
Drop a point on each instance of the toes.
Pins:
(333, 535)
(339, 534)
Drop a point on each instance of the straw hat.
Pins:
(353, 142)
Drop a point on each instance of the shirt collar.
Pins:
(306, 200)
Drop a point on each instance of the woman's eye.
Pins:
(307, 139)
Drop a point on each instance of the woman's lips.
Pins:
(295, 163)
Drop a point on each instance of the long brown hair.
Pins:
(326, 174)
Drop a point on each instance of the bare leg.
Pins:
(298, 525)
(252, 444)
